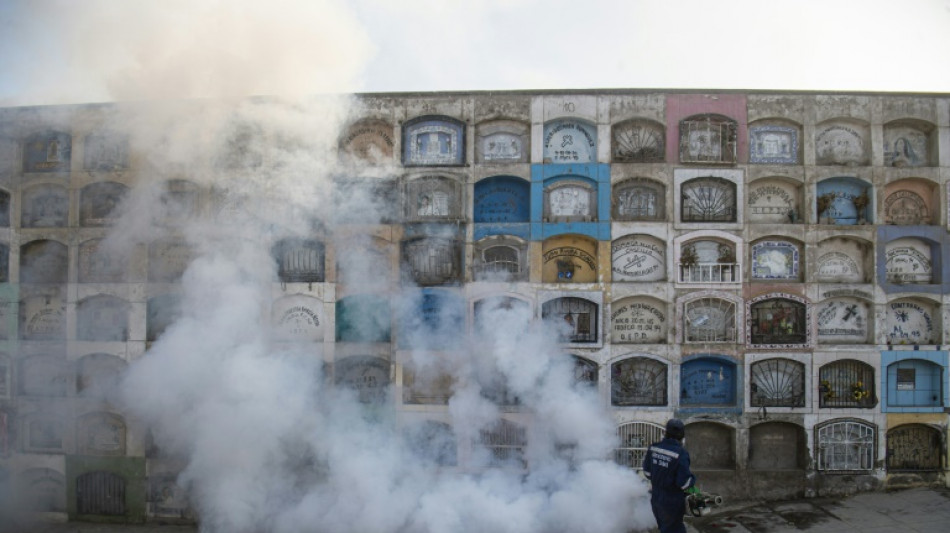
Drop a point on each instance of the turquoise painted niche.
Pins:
(844, 201)
(502, 199)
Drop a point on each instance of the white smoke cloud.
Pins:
(269, 443)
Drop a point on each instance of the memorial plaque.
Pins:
(502, 141)
(45, 207)
(843, 321)
(638, 258)
(502, 199)
(838, 267)
(569, 141)
(841, 144)
(369, 140)
(47, 152)
(299, 319)
(637, 321)
(905, 208)
(43, 317)
(910, 322)
(773, 202)
(106, 152)
(773, 145)
(570, 201)
(101, 434)
(99, 202)
(367, 376)
(908, 264)
(434, 142)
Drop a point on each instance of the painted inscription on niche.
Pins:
(47, 152)
(569, 142)
(905, 208)
(908, 264)
(773, 144)
(569, 264)
(44, 316)
(369, 140)
(841, 144)
(638, 258)
(367, 376)
(773, 202)
(838, 267)
(707, 382)
(909, 322)
(501, 200)
(843, 321)
(569, 201)
(637, 322)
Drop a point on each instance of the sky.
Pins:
(70, 51)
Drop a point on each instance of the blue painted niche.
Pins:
(502, 199)
(433, 141)
(437, 321)
(363, 318)
(915, 381)
(708, 381)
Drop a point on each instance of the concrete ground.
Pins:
(919, 510)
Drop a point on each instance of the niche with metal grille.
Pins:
(635, 438)
(505, 441)
(778, 321)
(100, 493)
(846, 383)
(914, 448)
(638, 381)
(575, 318)
(708, 139)
(708, 199)
(845, 446)
(300, 260)
(777, 383)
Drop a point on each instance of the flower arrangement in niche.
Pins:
(858, 391)
(689, 256)
(824, 202)
(825, 389)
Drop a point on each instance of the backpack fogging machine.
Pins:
(699, 503)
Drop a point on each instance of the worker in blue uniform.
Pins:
(666, 465)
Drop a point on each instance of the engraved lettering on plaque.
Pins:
(569, 142)
(905, 208)
(638, 258)
(502, 147)
(907, 264)
(569, 201)
(773, 202)
(367, 376)
(841, 145)
(299, 322)
(838, 267)
(369, 140)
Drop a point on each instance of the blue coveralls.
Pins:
(666, 465)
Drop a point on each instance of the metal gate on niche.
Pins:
(100, 493)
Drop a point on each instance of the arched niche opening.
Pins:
(909, 143)
(638, 140)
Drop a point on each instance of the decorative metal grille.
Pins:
(845, 446)
(432, 261)
(639, 200)
(710, 320)
(576, 318)
(778, 321)
(778, 383)
(300, 261)
(846, 383)
(101, 493)
(638, 381)
(708, 139)
(585, 371)
(505, 441)
(708, 199)
(635, 438)
(914, 448)
(499, 259)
